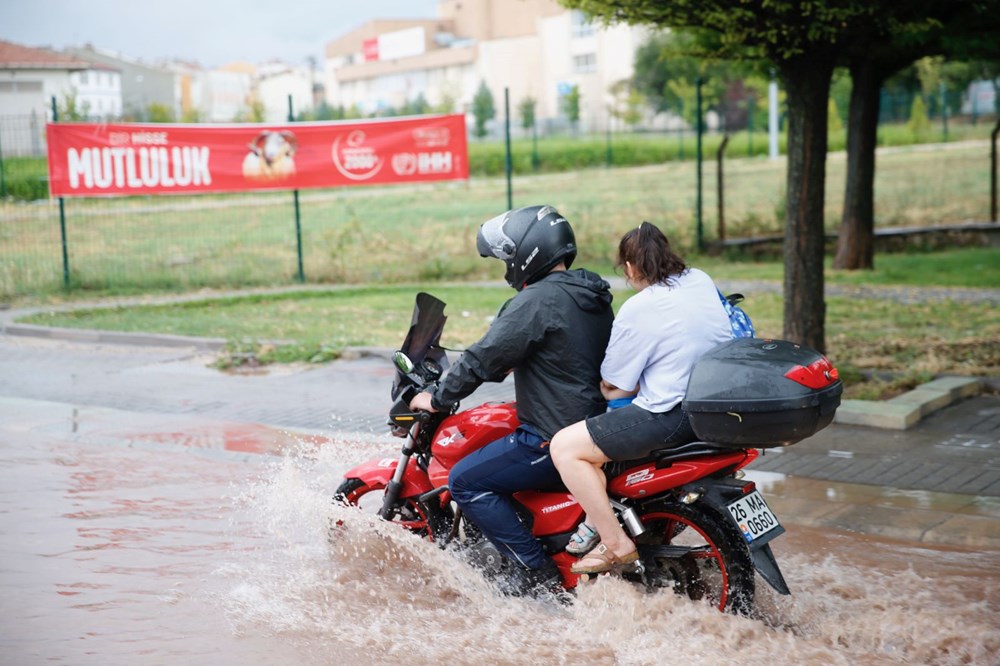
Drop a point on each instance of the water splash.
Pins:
(371, 588)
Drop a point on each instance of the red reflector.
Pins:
(749, 488)
(816, 375)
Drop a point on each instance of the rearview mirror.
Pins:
(402, 362)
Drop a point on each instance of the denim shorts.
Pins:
(632, 432)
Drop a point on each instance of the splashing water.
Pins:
(367, 587)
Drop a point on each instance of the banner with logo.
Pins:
(128, 159)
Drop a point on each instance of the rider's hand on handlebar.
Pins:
(422, 402)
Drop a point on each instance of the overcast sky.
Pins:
(210, 32)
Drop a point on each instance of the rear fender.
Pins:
(717, 494)
(377, 472)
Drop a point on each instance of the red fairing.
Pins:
(646, 480)
(465, 432)
(554, 513)
(377, 473)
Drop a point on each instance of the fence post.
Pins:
(3, 178)
(62, 213)
(993, 172)
(608, 155)
(720, 189)
(506, 121)
(699, 123)
(944, 110)
(295, 197)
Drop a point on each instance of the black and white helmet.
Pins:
(530, 241)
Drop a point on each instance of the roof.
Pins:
(15, 56)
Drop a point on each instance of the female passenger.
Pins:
(659, 333)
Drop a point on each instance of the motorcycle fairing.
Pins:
(377, 472)
(554, 512)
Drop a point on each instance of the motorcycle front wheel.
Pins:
(408, 513)
(696, 553)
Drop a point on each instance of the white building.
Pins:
(534, 48)
(275, 83)
(98, 92)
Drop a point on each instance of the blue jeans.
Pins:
(482, 483)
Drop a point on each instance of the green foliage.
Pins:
(25, 178)
(919, 124)
(254, 113)
(159, 113)
(483, 109)
(446, 104)
(526, 110)
(69, 110)
(570, 104)
(415, 107)
(833, 122)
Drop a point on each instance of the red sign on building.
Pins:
(127, 159)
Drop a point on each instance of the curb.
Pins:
(906, 410)
(113, 337)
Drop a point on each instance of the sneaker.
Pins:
(583, 541)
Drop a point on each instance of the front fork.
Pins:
(392, 489)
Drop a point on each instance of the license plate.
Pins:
(753, 516)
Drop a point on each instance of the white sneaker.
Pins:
(583, 541)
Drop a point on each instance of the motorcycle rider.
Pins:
(552, 335)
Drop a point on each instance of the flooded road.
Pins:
(130, 538)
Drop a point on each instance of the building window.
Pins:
(83, 78)
(582, 27)
(584, 63)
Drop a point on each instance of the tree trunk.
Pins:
(856, 240)
(807, 79)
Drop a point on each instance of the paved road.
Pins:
(937, 483)
(955, 450)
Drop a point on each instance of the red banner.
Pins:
(127, 159)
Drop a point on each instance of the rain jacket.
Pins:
(553, 334)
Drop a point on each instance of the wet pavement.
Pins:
(937, 482)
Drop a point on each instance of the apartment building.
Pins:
(532, 48)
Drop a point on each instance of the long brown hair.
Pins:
(649, 252)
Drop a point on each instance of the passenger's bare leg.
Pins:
(579, 463)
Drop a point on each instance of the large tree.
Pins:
(803, 39)
(874, 52)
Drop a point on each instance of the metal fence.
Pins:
(415, 233)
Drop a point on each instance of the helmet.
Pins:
(530, 241)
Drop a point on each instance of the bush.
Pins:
(25, 178)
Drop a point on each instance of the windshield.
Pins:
(424, 337)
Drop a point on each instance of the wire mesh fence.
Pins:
(410, 233)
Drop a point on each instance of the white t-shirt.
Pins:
(658, 335)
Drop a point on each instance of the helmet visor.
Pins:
(492, 241)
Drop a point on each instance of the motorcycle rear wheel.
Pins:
(409, 513)
(708, 560)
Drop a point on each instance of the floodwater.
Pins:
(132, 540)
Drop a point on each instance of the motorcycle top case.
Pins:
(760, 393)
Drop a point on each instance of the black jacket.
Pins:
(553, 335)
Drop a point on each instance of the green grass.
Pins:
(418, 233)
(864, 336)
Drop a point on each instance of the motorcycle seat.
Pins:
(664, 457)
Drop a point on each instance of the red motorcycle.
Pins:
(701, 529)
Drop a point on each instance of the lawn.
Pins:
(866, 337)
(408, 234)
